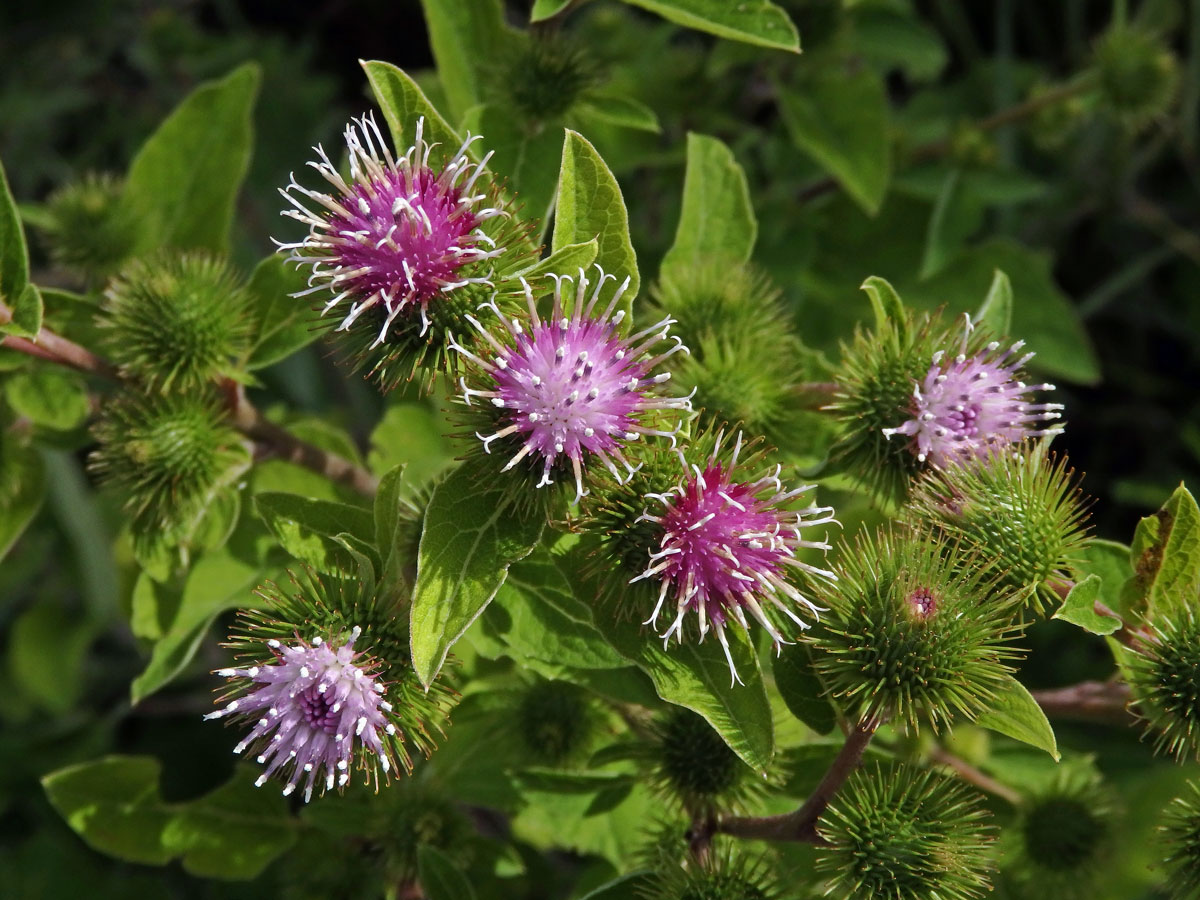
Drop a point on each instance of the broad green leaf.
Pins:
(395, 523)
(995, 315)
(545, 9)
(18, 507)
(886, 305)
(890, 38)
(466, 37)
(957, 214)
(756, 22)
(527, 156)
(589, 206)
(308, 529)
(1043, 316)
(14, 257)
(1165, 553)
(440, 878)
(717, 220)
(27, 313)
(114, 804)
(184, 182)
(1079, 608)
(411, 435)
(46, 651)
(540, 618)
(473, 532)
(280, 323)
(403, 103)
(802, 690)
(569, 258)
(615, 109)
(52, 398)
(1015, 713)
(1110, 561)
(840, 119)
(217, 582)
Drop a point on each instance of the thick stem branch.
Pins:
(1088, 701)
(972, 775)
(801, 824)
(276, 441)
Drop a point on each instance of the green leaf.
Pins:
(472, 534)
(887, 306)
(52, 398)
(114, 804)
(1045, 318)
(18, 507)
(403, 102)
(280, 323)
(802, 690)
(589, 206)
(545, 9)
(956, 216)
(1165, 553)
(46, 653)
(217, 582)
(392, 514)
(184, 182)
(840, 119)
(717, 220)
(569, 258)
(411, 435)
(528, 157)
(539, 618)
(1079, 608)
(995, 316)
(14, 256)
(1110, 561)
(624, 887)
(466, 36)
(891, 39)
(440, 878)
(615, 109)
(757, 22)
(1015, 713)
(308, 528)
(26, 313)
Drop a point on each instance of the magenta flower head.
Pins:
(344, 698)
(402, 245)
(725, 545)
(969, 405)
(561, 392)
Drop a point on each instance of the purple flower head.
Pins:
(314, 707)
(969, 405)
(396, 236)
(569, 388)
(727, 548)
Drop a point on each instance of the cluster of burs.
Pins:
(660, 441)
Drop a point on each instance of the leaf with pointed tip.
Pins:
(440, 878)
(758, 22)
(1079, 608)
(403, 102)
(887, 306)
(466, 37)
(1015, 713)
(1165, 553)
(615, 109)
(995, 315)
(14, 255)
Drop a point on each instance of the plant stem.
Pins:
(1089, 701)
(969, 773)
(814, 395)
(278, 442)
(801, 824)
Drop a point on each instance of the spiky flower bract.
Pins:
(746, 361)
(914, 631)
(1180, 831)
(970, 404)
(1138, 74)
(724, 542)
(325, 677)
(1165, 678)
(555, 720)
(1021, 509)
(176, 322)
(406, 246)
(556, 396)
(1066, 830)
(689, 764)
(547, 77)
(167, 457)
(91, 232)
(726, 873)
(878, 372)
(905, 834)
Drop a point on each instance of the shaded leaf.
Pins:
(14, 255)
(440, 878)
(615, 109)
(308, 528)
(280, 323)
(527, 156)
(758, 22)
(19, 506)
(52, 398)
(1079, 608)
(995, 315)
(1165, 553)
(802, 690)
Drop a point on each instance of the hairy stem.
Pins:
(972, 775)
(277, 442)
(801, 824)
